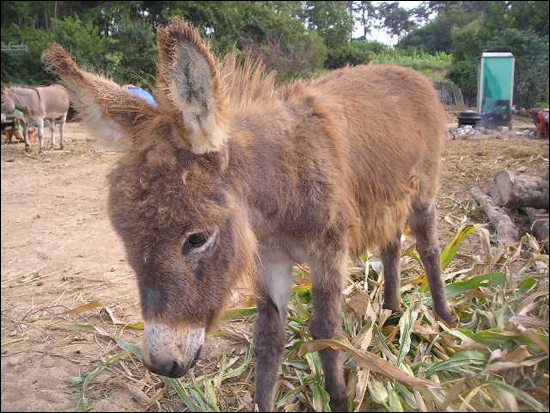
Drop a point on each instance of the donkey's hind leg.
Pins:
(274, 283)
(390, 260)
(62, 131)
(40, 122)
(328, 280)
(423, 223)
(51, 123)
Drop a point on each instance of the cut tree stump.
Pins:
(506, 231)
(518, 191)
(538, 218)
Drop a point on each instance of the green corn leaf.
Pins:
(463, 358)
(520, 394)
(454, 245)
(393, 400)
(406, 324)
(460, 287)
(239, 313)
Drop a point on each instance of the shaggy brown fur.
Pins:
(230, 175)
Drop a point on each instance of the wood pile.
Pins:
(510, 195)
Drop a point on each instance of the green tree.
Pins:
(530, 15)
(531, 74)
(395, 19)
(331, 19)
(133, 52)
(80, 38)
(436, 36)
(366, 12)
(464, 74)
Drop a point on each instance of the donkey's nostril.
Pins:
(174, 369)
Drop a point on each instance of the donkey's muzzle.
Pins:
(171, 351)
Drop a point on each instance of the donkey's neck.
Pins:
(26, 100)
(274, 165)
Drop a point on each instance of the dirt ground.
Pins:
(60, 252)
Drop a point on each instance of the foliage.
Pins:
(432, 65)
(331, 20)
(464, 74)
(436, 36)
(133, 53)
(468, 41)
(82, 39)
(352, 53)
(467, 28)
(531, 74)
(395, 19)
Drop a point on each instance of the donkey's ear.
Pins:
(108, 110)
(189, 83)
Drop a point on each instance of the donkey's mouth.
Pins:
(171, 352)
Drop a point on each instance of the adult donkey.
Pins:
(231, 176)
(38, 103)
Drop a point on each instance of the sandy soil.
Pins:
(59, 252)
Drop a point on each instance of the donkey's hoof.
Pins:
(395, 308)
(27, 149)
(339, 404)
(448, 318)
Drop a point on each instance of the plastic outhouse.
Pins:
(495, 90)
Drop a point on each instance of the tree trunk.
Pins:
(539, 224)
(518, 191)
(506, 231)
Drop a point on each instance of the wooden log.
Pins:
(506, 231)
(538, 218)
(518, 191)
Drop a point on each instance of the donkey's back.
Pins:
(379, 149)
(53, 101)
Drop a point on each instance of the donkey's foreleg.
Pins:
(62, 131)
(274, 282)
(423, 223)
(390, 260)
(51, 124)
(26, 136)
(328, 280)
(269, 344)
(40, 122)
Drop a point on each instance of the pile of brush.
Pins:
(515, 197)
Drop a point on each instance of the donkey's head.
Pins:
(172, 200)
(8, 104)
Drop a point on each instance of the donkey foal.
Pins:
(230, 175)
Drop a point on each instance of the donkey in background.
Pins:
(38, 104)
(231, 176)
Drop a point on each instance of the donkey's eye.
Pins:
(195, 241)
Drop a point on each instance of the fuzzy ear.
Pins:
(108, 111)
(189, 83)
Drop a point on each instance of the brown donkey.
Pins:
(230, 176)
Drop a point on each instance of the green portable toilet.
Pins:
(495, 89)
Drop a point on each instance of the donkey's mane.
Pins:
(248, 82)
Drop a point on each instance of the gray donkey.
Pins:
(38, 103)
(231, 176)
